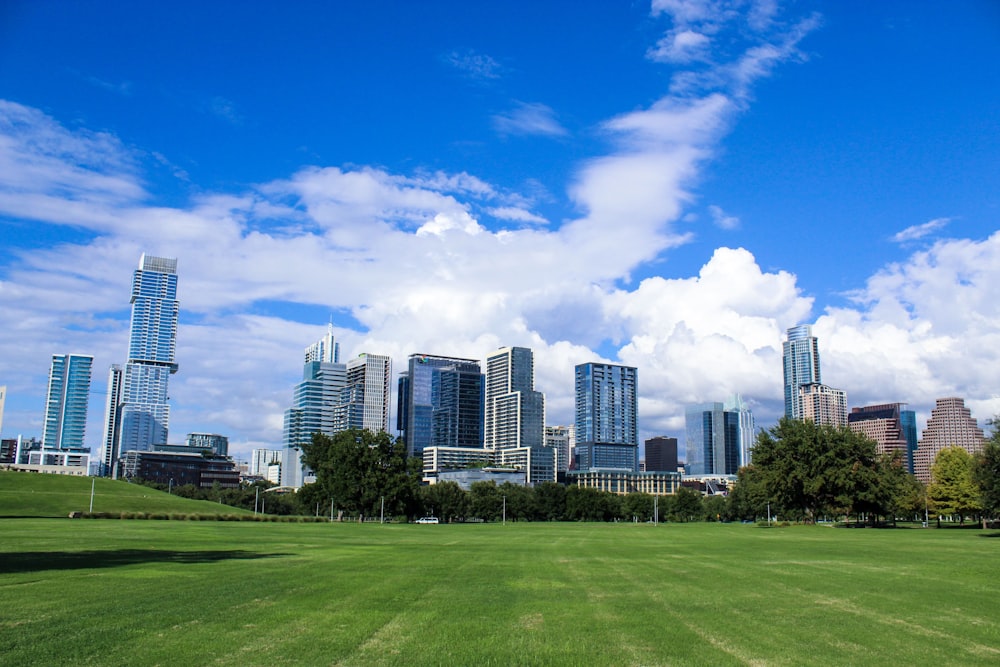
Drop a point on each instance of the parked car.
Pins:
(428, 519)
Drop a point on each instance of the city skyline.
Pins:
(448, 179)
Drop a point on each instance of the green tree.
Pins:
(747, 500)
(953, 489)
(986, 474)
(586, 504)
(809, 470)
(520, 502)
(359, 470)
(714, 508)
(638, 506)
(485, 501)
(446, 500)
(686, 505)
(550, 500)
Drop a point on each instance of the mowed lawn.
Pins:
(75, 592)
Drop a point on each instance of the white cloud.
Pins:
(529, 119)
(721, 219)
(915, 232)
(474, 65)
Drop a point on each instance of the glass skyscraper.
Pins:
(800, 359)
(139, 418)
(713, 439)
(315, 403)
(607, 435)
(66, 405)
(440, 403)
(514, 411)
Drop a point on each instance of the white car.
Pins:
(428, 519)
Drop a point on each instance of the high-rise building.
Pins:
(316, 403)
(67, 399)
(800, 359)
(142, 417)
(365, 402)
(562, 439)
(822, 404)
(514, 411)
(951, 425)
(111, 449)
(712, 440)
(890, 426)
(440, 403)
(748, 428)
(262, 459)
(606, 411)
(661, 454)
(218, 444)
(326, 349)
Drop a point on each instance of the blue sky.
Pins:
(669, 186)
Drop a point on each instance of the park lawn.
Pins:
(25, 494)
(182, 593)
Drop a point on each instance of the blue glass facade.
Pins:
(800, 362)
(441, 403)
(712, 440)
(67, 400)
(606, 411)
(144, 414)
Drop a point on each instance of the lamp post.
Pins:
(505, 510)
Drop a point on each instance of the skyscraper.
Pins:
(800, 359)
(748, 427)
(606, 411)
(112, 416)
(514, 411)
(889, 426)
(440, 403)
(316, 406)
(142, 418)
(712, 440)
(67, 399)
(661, 454)
(562, 439)
(951, 425)
(365, 403)
(821, 404)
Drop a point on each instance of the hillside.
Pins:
(34, 495)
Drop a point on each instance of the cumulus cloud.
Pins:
(915, 232)
(529, 119)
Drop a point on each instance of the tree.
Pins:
(952, 489)
(485, 501)
(359, 470)
(713, 507)
(747, 500)
(986, 474)
(446, 500)
(586, 504)
(686, 505)
(550, 499)
(809, 470)
(638, 506)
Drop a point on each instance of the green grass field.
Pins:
(75, 592)
(33, 495)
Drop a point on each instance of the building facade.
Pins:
(607, 433)
(661, 454)
(315, 409)
(821, 404)
(514, 413)
(217, 444)
(800, 361)
(748, 427)
(713, 439)
(67, 399)
(892, 428)
(562, 439)
(951, 425)
(140, 417)
(440, 403)
(365, 403)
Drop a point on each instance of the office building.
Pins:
(180, 468)
(951, 425)
(748, 428)
(514, 411)
(110, 447)
(561, 439)
(440, 403)
(262, 459)
(821, 404)
(217, 444)
(892, 428)
(606, 411)
(365, 402)
(623, 482)
(140, 417)
(661, 454)
(316, 407)
(67, 399)
(800, 360)
(713, 439)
